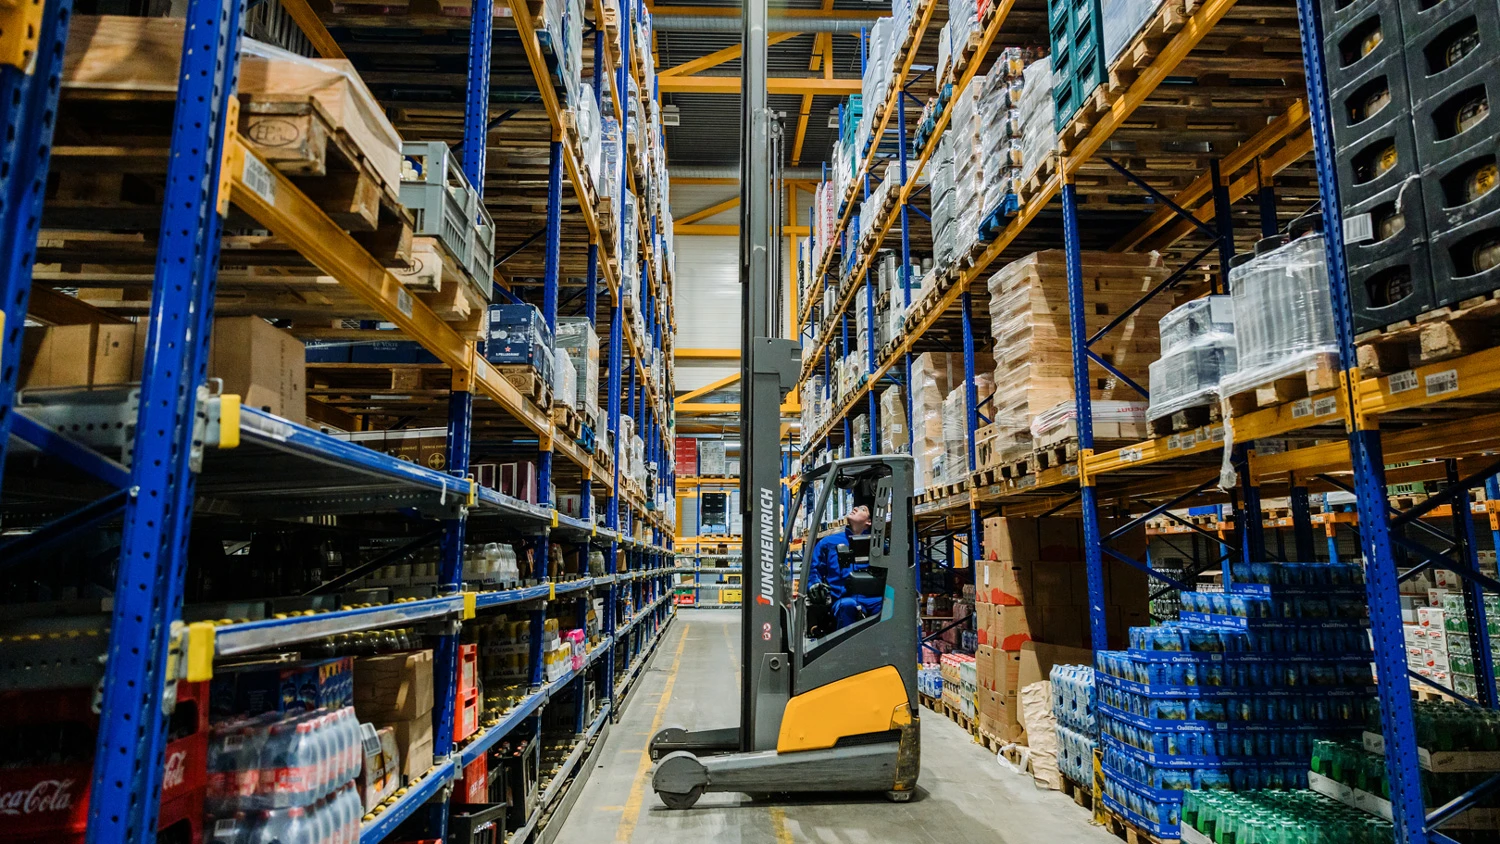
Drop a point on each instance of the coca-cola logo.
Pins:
(176, 770)
(45, 796)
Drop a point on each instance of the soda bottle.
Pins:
(324, 759)
(291, 752)
(226, 763)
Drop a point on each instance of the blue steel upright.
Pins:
(1092, 552)
(25, 153)
(971, 423)
(128, 761)
(1381, 585)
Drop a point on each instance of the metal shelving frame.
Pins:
(1343, 424)
(155, 494)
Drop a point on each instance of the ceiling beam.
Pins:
(734, 11)
(706, 354)
(718, 57)
(705, 213)
(687, 398)
(702, 230)
(774, 85)
(822, 42)
(700, 181)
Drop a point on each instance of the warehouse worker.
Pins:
(829, 570)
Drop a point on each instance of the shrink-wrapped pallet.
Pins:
(1197, 351)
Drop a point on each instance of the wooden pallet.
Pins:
(957, 716)
(1033, 183)
(567, 420)
(1437, 335)
(524, 377)
(1081, 794)
(1320, 375)
(1123, 829)
(1186, 419)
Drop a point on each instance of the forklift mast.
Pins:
(769, 368)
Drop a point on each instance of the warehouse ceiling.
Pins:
(710, 123)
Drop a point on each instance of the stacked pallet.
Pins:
(1033, 358)
(940, 416)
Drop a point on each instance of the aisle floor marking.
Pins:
(633, 805)
(778, 825)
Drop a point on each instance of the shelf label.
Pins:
(257, 177)
(1130, 455)
(1070, 470)
(404, 302)
(1326, 406)
(1216, 433)
(1174, 442)
(1401, 382)
(1301, 408)
(1441, 383)
(1359, 228)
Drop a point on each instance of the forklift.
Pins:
(822, 708)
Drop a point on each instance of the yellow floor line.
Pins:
(778, 825)
(634, 804)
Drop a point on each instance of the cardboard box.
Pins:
(1435, 659)
(1004, 583)
(1416, 658)
(984, 622)
(1012, 627)
(81, 355)
(380, 775)
(413, 743)
(997, 670)
(1036, 659)
(393, 687)
(1000, 715)
(1430, 618)
(1051, 538)
(265, 366)
(275, 686)
(1413, 635)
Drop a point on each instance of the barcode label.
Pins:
(1402, 381)
(225, 825)
(1070, 470)
(1174, 442)
(481, 369)
(1130, 455)
(1359, 228)
(1439, 383)
(1216, 433)
(403, 302)
(1325, 406)
(259, 180)
(1301, 408)
(1189, 439)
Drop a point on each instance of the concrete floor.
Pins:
(964, 795)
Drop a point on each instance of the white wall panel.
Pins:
(708, 296)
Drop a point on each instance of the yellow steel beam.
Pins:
(804, 111)
(718, 57)
(705, 213)
(707, 388)
(774, 84)
(312, 26)
(707, 354)
(20, 29)
(702, 230)
(702, 181)
(1294, 119)
(706, 409)
(1459, 378)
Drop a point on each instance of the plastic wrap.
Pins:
(894, 436)
(1284, 314)
(1059, 418)
(1122, 20)
(1036, 108)
(1198, 351)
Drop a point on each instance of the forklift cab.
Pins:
(827, 494)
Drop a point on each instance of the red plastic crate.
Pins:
(468, 670)
(687, 456)
(465, 716)
(476, 780)
(51, 803)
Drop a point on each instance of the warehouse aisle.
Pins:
(964, 796)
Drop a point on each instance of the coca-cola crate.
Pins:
(49, 803)
(474, 784)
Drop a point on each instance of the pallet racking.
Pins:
(1354, 432)
(187, 448)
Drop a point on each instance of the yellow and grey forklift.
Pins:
(822, 708)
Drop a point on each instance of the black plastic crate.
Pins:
(1421, 17)
(1466, 234)
(1385, 250)
(1465, 39)
(516, 783)
(476, 823)
(1358, 36)
(1380, 160)
(1376, 95)
(1458, 119)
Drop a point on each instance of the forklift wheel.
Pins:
(681, 801)
(898, 796)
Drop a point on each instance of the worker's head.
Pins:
(859, 519)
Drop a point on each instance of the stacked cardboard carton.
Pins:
(939, 415)
(1029, 321)
(1031, 610)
